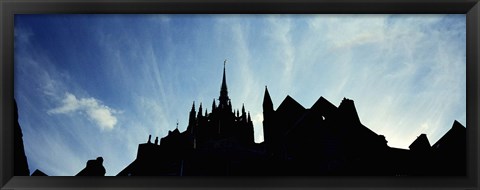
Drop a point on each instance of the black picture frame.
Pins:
(9, 8)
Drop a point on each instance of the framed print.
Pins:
(227, 94)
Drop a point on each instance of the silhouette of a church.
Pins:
(321, 140)
(217, 143)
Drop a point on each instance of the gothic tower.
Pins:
(268, 112)
(191, 120)
(224, 99)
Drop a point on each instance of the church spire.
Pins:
(191, 119)
(244, 114)
(243, 109)
(223, 90)
(224, 81)
(200, 111)
(267, 101)
(214, 106)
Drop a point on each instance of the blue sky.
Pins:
(98, 85)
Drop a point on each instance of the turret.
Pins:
(192, 119)
(200, 111)
(267, 102)
(214, 106)
(244, 114)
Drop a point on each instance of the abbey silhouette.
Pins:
(217, 143)
(321, 140)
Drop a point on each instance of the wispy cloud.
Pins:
(60, 160)
(101, 114)
(280, 31)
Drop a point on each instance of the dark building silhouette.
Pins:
(93, 168)
(217, 143)
(321, 140)
(21, 165)
(326, 140)
(421, 144)
(450, 153)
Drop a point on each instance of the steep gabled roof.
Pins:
(324, 107)
(290, 105)
(421, 143)
(288, 113)
(456, 134)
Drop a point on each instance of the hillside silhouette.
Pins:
(321, 140)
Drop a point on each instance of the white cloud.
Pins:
(102, 115)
